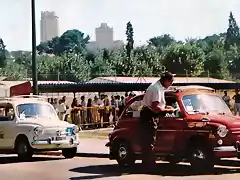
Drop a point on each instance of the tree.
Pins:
(180, 58)
(130, 40)
(70, 41)
(161, 41)
(233, 34)
(2, 54)
(216, 61)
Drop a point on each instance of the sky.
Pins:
(180, 18)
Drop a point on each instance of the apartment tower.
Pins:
(49, 27)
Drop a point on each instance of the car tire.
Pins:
(69, 153)
(23, 150)
(124, 155)
(201, 158)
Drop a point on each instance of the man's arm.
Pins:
(158, 109)
(156, 100)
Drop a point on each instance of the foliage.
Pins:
(233, 34)
(2, 54)
(70, 41)
(130, 40)
(66, 57)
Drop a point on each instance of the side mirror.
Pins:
(178, 113)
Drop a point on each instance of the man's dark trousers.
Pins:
(148, 129)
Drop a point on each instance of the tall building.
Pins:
(49, 27)
(104, 34)
(104, 39)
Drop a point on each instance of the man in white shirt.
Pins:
(153, 105)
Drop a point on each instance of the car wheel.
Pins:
(201, 158)
(124, 154)
(69, 153)
(23, 149)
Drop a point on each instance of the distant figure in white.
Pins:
(62, 108)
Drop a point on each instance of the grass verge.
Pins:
(98, 134)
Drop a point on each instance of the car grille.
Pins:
(53, 131)
(235, 133)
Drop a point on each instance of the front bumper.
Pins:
(227, 151)
(69, 142)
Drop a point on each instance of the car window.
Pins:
(6, 112)
(136, 106)
(198, 103)
(172, 101)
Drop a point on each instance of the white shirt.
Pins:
(155, 92)
(62, 108)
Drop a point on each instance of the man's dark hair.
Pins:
(167, 76)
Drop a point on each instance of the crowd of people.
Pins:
(97, 111)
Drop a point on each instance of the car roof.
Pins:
(24, 100)
(173, 90)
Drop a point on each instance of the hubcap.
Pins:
(22, 148)
(122, 152)
(198, 155)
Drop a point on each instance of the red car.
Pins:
(202, 130)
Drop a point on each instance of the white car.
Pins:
(31, 124)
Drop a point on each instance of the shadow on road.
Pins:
(14, 159)
(163, 169)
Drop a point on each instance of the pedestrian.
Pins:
(236, 98)
(226, 98)
(153, 105)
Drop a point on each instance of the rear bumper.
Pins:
(111, 153)
(108, 144)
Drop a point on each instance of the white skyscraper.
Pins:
(49, 27)
(104, 39)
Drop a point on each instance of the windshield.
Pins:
(36, 110)
(203, 103)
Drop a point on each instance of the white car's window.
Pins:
(198, 103)
(36, 110)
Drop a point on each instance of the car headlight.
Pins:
(222, 131)
(38, 130)
(76, 129)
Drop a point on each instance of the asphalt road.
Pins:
(51, 168)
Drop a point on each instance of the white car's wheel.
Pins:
(69, 153)
(23, 149)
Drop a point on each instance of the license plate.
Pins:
(60, 138)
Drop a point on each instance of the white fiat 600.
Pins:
(29, 124)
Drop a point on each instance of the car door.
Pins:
(170, 129)
(130, 119)
(7, 126)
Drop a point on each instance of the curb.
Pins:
(94, 155)
(59, 153)
(50, 153)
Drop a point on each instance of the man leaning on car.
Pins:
(153, 105)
